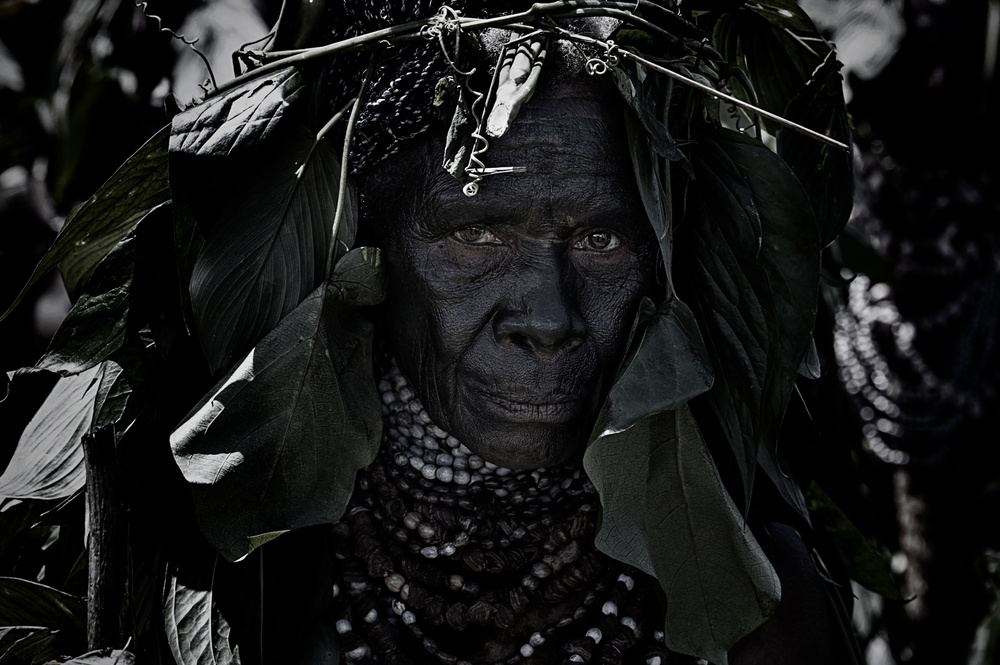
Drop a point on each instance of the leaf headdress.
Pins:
(225, 250)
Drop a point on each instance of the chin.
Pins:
(526, 447)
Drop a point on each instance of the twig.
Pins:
(345, 168)
(106, 545)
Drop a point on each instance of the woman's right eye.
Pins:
(476, 235)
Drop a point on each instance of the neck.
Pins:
(449, 556)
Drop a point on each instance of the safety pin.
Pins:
(472, 187)
(491, 170)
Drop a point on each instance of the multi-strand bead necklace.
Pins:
(446, 558)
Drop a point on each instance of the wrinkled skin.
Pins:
(510, 311)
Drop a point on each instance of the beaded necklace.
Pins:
(446, 558)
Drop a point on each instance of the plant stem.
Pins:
(345, 169)
(105, 541)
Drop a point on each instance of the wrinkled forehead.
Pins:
(569, 140)
(568, 144)
(562, 126)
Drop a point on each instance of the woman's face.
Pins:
(510, 311)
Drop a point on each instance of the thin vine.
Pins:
(190, 43)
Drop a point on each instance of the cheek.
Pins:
(434, 318)
(610, 301)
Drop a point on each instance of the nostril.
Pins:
(539, 310)
(538, 332)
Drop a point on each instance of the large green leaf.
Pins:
(27, 603)
(826, 172)
(94, 328)
(750, 271)
(787, 485)
(649, 146)
(666, 511)
(277, 443)
(94, 228)
(197, 633)
(48, 461)
(26, 644)
(862, 561)
(777, 45)
(668, 367)
(124, 391)
(269, 247)
(796, 76)
(238, 118)
(100, 657)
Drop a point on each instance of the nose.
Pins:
(540, 311)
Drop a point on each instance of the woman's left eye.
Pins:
(601, 241)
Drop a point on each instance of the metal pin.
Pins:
(492, 170)
(472, 187)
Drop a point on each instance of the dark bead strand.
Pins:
(419, 549)
(429, 606)
(582, 648)
(617, 640)
(577, 575)
(368, 543)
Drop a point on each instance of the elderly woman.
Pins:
(503, 309)
(470, 539)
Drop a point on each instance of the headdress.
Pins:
(233, 231)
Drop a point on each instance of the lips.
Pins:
(516, 405)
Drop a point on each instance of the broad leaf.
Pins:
(90, 232)
(112, 395)
(94, 328)
(197, 633)
(16, 516)
(122, 394)
(777, 45)
(276, 444)
(647, 98)
(668, 367)
(826, 172)
(27, 644)
(652, 181)
(750, 271)
(862, 561)
(269, 248)
(48, 461)
(100, 657)
(238, 118)
(787, 486)
(188, 241)
(27, 603)
(666, 511)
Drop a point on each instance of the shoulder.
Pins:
(806, 627)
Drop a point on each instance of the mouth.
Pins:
(524, 407)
